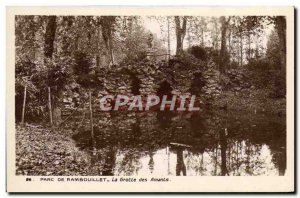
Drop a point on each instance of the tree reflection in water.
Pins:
(223, 144)
(180, 166)
(233, 144)
(151, 162)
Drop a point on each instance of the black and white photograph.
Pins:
(131, 96)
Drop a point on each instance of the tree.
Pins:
(223, 52)
(280, 25)
(48, 51)
(50, 36)
(203, 26)
(180, 32)
(215, 33)
(107, 24)
(242, 30)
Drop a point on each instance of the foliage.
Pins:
(83, 71)
(134, 39)
(259, 71)
(188, 61)
(41, 151)
(86, 46)
(199, 52)
(213, 54)
(266, 71)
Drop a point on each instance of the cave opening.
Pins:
(197, 83)
(135, 84)
(165, 88)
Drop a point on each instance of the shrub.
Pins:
(199, 52)
(82, 64)
(83, 71)
(263, 73)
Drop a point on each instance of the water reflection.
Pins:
(161, 144)
(223, 145)
(180, 166)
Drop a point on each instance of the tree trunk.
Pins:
(280, 25)
(223, 51)
(249, 46)
(229, 44)
(97, 61)
(91, 115)
(111, 51)
(50, 36)
(49, 106)
(241, 49)
(56, 115)
(257, 50)
(24, 104)
(180, 33)
(107, 23)
(189, 38)
(223, 143)
(202, 37)
(169, 48)
(51, 26)
(76, 42)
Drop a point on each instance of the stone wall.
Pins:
(146, 77)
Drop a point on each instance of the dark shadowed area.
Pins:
(162, 144)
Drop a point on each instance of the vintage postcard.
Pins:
(150, 99)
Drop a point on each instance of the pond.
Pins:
(185, 144)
